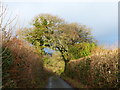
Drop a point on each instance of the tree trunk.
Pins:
(65, 60)
(65, 68)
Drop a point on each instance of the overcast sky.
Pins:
(60, 0)
(100, 15)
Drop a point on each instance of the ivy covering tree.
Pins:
(54, 33)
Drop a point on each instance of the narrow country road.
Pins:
(57, 82)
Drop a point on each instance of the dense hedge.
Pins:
(21, 65)
(7, 60)
(98, 70)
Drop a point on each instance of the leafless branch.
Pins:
(6, 24)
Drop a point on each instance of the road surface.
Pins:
(57, 82)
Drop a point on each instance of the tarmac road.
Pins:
(57, 82)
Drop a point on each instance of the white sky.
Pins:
(60, 0)
(101, 17)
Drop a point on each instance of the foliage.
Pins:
(6, 64)
(43, 28)
(22, 66)
(74, 83)
(99, 70)
(81, 50)
(54, 63)
(53, 32)
(7, 58)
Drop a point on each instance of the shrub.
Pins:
(7, 60)
(99, 70)
(81, 50)
(54, 63)
(22, 66)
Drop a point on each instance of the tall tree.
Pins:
(53, 32)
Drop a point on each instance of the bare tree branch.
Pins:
(6, 24)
